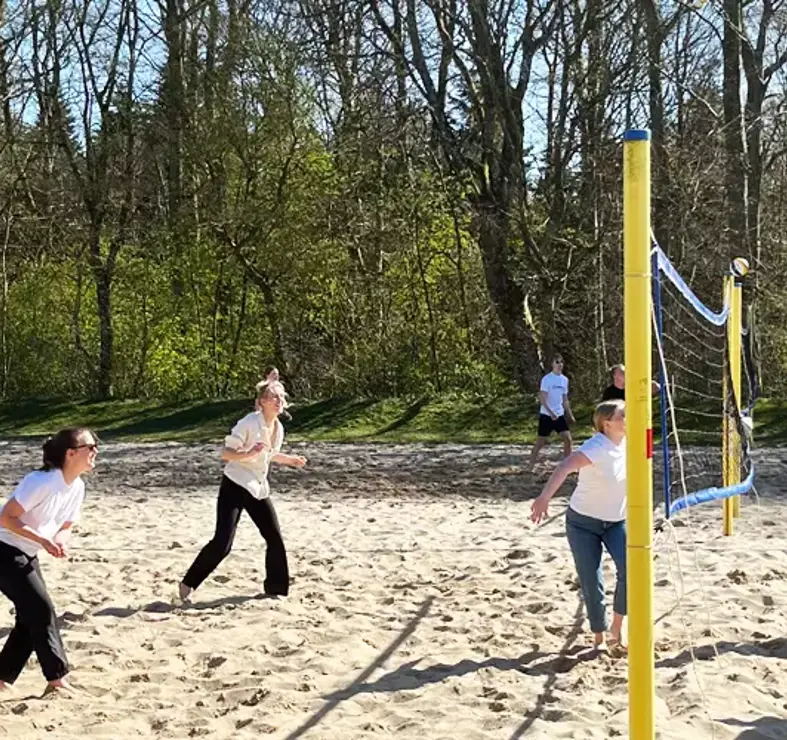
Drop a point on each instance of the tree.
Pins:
(475, 96)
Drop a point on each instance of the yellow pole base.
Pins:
(728, 516)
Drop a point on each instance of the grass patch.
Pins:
(448, 418)
(131, 420)
(426, 419)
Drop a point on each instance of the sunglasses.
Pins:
(92, 447)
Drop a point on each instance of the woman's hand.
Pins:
(247, 455)
(63, 542)
(256, 450)
(55, 549)
(10, 520)
(574, 462)
(229, 454)
(294, 461)
(539, 509)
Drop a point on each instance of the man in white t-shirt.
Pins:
(555, 413)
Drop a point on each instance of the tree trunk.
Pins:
(6, 355)
(754, 103)
(655, 39)
(173, 99)
(5, 87)
(758, 77)
(429, 307)
(735, 181)
(507, 295)
(272, 314)
(102, 276)
(460, 276)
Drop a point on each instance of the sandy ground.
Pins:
(424, 605)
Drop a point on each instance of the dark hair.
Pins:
(268, 370)
(55, 448)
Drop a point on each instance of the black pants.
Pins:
(35, 628)
(233, 499)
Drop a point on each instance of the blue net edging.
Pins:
(713, 494)
(669, 271)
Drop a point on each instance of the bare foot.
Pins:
(616, 644)
(600, 642)
(184, 592)
(61, 686)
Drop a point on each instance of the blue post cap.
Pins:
(637, 134)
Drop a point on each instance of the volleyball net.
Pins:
(705, 430)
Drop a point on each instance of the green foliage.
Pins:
(292, 203)
(41, 353)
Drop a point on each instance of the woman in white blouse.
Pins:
(38, 516)
(596, 517)
(254, 442)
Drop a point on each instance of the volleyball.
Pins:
(739, 266)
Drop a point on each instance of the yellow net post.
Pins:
(736, 330)
(732, 453)
(639, 431)
(727, 444)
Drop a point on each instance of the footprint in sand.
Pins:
(519, 555)
(539, 607)
(215, 661)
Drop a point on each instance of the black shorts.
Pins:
(547, 425)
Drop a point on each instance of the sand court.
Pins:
(424, 605)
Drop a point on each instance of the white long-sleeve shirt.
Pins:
(253, 474)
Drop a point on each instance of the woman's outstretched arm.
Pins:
(574, 462)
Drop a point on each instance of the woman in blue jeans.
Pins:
(596, 516)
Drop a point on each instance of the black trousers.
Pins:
(233, 500)
(35, 628)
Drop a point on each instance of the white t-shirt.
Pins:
(48, 503)
(253, 474)
(601, 489)
(555, 386)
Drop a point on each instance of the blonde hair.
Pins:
(270, 385)
(615, 368)
(605, 411)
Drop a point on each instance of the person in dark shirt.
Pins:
(617, 389)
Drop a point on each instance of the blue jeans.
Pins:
(586, 536)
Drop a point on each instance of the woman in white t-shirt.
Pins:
(254, 442)
(39, 515)
(596, 515)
